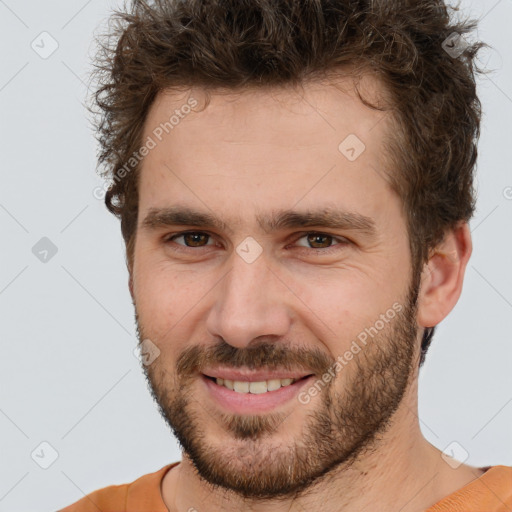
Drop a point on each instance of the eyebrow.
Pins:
(279, 220)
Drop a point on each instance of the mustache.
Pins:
(264, 355)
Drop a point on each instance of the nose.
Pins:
(248, 303)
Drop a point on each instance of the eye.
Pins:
(322, 242)
(191, 239)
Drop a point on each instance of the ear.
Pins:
(443, 275)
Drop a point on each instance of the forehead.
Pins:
(300, 114)
(265, 147)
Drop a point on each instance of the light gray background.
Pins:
(68, 373)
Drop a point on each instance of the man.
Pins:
(294, 183)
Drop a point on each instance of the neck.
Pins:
(401, 471)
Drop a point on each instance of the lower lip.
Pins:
(249, 403)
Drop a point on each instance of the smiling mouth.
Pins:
(255, 387)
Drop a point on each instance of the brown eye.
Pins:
(192, 239)
(321, 241)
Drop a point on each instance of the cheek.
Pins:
(340, 306)
(166, 298)
(157, 294)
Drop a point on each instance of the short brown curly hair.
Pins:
(242, 44)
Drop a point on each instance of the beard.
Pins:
(343, 424)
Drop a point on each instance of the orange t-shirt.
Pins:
(492, 492)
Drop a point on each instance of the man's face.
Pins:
(294, 298)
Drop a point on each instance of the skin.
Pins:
(250, 154)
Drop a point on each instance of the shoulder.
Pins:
(491, 492)
(114, 498)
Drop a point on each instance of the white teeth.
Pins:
(254, 387)
(241, 386)
(258, 387)
(273, 384)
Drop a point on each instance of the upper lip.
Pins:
(246, 375)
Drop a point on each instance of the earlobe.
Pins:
(443, 276)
